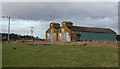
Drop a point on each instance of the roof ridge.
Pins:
(91, 27)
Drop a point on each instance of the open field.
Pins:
(45, 55)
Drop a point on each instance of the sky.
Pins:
(40, 14)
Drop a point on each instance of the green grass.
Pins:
(58, 56)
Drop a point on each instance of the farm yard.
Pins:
(75, 54)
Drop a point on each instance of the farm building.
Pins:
(52, 32)
(68, 33)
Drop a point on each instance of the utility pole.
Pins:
(8, 39)
(8, 28)
(31, 33)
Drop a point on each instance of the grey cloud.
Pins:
(52, 11)
(95, 14)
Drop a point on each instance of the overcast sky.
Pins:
(39, 14)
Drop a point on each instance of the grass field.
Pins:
(25, 55)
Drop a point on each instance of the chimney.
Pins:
(54, 24)
(67, 23)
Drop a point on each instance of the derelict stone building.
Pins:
(68, 33)
(52, 32)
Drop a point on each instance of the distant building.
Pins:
(68, 33)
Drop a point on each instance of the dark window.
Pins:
(78, 37)
(90, 40)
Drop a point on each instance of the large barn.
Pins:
(68, 33)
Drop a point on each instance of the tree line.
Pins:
(14, 37)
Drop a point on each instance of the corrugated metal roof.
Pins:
(90, 29)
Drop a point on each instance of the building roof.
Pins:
(91, 29)
(57, 28)
(69, 22)
(55, 25)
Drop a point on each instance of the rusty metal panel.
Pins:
(76, 36)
